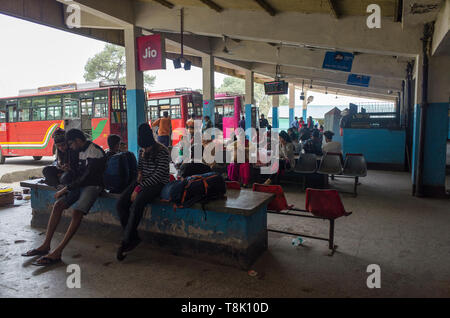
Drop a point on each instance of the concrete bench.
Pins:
(230, 231)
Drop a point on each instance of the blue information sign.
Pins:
(358, 80)
(340, 61)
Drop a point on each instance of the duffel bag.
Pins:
(194, 191)
(215, 185)
(173, 191)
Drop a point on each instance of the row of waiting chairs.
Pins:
(354, 166)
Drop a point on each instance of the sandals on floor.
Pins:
(46, 261)
(34, 252)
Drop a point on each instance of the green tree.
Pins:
(109, 65)
(237, 85)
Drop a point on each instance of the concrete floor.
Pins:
(408, 237)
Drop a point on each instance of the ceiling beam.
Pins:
(269, 9)
(212, 5)
(165, 3)
(252, 51)
(333, 9)
(317, 30)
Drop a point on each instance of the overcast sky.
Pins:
(34, 55)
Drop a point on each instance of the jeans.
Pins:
(130, 213)
(165, 140)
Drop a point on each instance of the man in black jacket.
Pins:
(79, 195)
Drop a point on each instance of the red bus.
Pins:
(28, 121)
(180, 103)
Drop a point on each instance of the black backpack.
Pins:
(121, 170)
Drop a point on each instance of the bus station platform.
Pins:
(406, 236)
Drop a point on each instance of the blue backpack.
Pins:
(121, 170)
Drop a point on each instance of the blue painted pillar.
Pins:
(135, 88)
(248, 118)
(291, 116)
(208, 110)
(275, 118)
(304, 115)
(135, 117)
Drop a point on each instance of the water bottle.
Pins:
(297, 241)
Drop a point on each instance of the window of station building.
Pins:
(24, 110)
(71, 106)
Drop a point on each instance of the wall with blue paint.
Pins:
(377, 145)
(435, 144)
(135, 117)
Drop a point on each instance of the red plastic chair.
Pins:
(279, 203)
(322, 204)
(233, 185)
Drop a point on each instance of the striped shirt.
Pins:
(154, 171)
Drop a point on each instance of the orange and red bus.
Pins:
(179, 103)
(28, 121)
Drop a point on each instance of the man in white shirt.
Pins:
(330, 145)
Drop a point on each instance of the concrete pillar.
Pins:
(135, 89)
(305, 106)
(208, 86)
(291, 103)
(436, 126)
(249, 98)
(275, 116)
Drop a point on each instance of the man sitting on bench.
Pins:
(80, 195)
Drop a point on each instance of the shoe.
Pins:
(268, 182)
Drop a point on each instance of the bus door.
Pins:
(72, 119)
(86, 103)
(118, 113)
(3, 130)
(11, 115)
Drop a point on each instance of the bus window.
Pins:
(86, 107)
(24, 110)
(12, 113)
(71, 109)
(39, 113)
(39, 108)
(54, 107)
(2, 111)
(175, 108)
(124, 99)
(115, 100)
(228, 108)
(100, 103)
(164, 105)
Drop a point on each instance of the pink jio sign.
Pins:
(151, 52)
